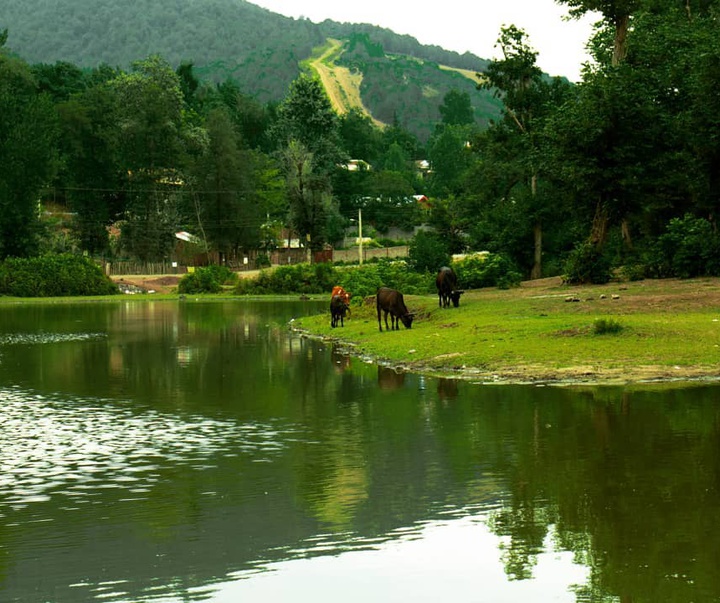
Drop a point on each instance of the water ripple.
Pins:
(75, 447)
(43, 338)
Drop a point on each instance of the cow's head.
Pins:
(455, 296)
(407, 319)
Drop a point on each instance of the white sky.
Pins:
(462, 25)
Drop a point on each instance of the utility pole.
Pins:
(360, 237)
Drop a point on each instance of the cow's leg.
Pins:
(386, 324)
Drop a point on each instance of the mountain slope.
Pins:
(394, 75)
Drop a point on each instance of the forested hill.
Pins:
(261, 50)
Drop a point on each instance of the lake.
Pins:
(174, 451)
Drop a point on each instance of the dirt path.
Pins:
(342, 86)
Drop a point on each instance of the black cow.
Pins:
(391, 302)
(338, 309)
(446, 283)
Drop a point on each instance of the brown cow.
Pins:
(338, 309)
(446, 283)
(338, 290)
(391, 302)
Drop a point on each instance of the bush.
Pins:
(298, 278)
(208, 279)
(53, 275)
(488, 270)
(362, 281)
(689, 247)
(262, 261)
(587, 264)
(606, 326)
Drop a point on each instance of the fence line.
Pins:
(279, 257)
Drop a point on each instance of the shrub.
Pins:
(487, 270)
(362, 281)
(208, 279)
(53, 275)
(587, 264)
(298, 278)
(428, 253)
(606, 326)
(689, 247)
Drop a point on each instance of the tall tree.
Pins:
(528, 99)
(151, 107)
(28, 132)
(308, 195)
(456, 109)
(228, 212)
(92, 173)
(306, 116)
(616, 13)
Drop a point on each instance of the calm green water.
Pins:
(185, 451)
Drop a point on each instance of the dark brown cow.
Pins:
(446, 283)
(338, 309)
(391, 302)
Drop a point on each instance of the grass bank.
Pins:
(670, 329)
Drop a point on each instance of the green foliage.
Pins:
(299, 278)
(606, 326)
(360, 281)
(208, 279)
(27, 152)
(456, 108)
(53, 275)
(486, 270)
(363, 281)
(428, 252)
(587, 264)
(689, 247)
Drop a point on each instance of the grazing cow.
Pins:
(338, 290)
(338, 309)
(446, 283)
(391, 302)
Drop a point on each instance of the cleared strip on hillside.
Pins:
(342, 86)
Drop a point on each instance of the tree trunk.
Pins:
(598, 233)
(536, 271)
(626, 236)
(622, 24)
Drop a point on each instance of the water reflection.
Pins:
(203, 452)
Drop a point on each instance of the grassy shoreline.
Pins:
(534, 334)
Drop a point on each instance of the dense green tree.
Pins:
(456, 109)
(60, 80)
(616, 13)
(528, 100)
(450, 157)
(250, 119)
(92, 177)
(360, 136)
(151, 149)
(228, 213)
(308, 196)
(306, 116)
(28, 131)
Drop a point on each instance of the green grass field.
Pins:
(669, 329)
